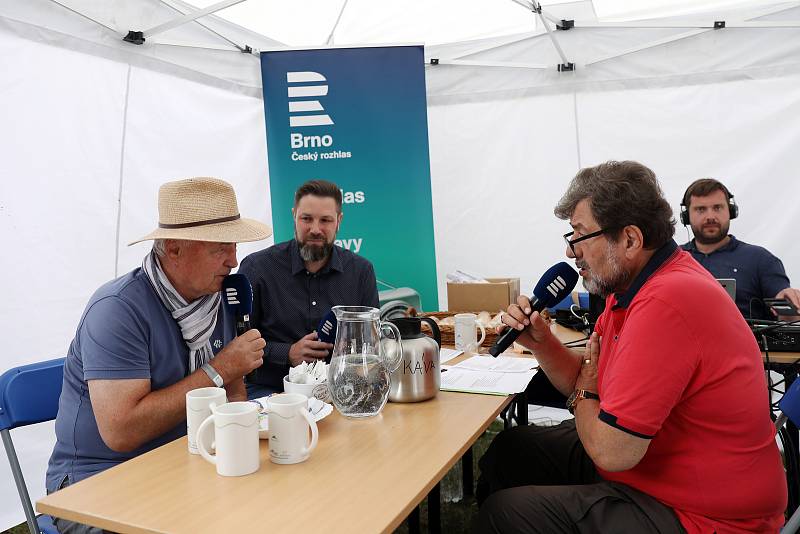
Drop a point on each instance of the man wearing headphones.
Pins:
(708, 207)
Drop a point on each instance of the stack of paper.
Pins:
(504, 375)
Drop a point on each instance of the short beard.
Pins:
(616, 280)
(703, 240)
(315, 252)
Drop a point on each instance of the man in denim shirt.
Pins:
(708, 207)
(296, 282)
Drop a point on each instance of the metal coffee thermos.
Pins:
(418, 376)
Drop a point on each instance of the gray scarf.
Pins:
(196, 319)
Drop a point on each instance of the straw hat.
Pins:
(203, 209)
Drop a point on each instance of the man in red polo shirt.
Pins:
(672, 430)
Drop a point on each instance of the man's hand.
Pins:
(308, 349)
(236, 390)
(240, 356)
(792, 295)
(535, 330)
(587, 378)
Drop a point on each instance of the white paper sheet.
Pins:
(445, 355)
(476, 375)
(506, 364)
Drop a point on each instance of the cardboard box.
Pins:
(492, 297)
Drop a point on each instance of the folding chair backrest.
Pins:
(790, 408)
(28, 394)
(790, 403)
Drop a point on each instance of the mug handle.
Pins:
(483, 334)
(312, 424)
(201, 442)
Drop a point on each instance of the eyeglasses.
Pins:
(572, 242)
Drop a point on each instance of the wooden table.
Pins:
(365, 476)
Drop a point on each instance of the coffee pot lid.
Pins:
(409, 327)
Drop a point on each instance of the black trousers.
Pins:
(540, 480)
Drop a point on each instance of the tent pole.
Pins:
(113, 30)
(189, 17)
(175, 8)
(536, 7)
(329, 40)
(651, 44)
(500, 64)
(122, 169)
(538, 10)
(493, 46)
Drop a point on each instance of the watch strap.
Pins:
(590, 395)
(579, 395)
(213, 374)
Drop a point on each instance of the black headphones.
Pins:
(733, 209)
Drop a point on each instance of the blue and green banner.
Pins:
(357, 117)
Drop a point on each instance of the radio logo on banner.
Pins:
(303, 87)
(305, 106)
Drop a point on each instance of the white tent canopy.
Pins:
(94, 124)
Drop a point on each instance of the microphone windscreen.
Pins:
(326, 330)
(237, 293)
(555, 284)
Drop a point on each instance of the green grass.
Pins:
(19, 529)
(456, 516)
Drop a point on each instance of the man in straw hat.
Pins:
(150, 336)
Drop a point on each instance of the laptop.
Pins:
(730, 286)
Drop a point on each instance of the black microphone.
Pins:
(553, 287)
(326, 330)
(238, 299)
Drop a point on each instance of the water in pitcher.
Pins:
(360, 386)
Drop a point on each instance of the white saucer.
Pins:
(313, 407)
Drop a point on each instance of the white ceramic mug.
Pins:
(198, 407)
(319, 390)
(235, 427)
(466, 336)
(289, 423)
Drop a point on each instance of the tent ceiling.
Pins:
(309, 22)
(513, 52)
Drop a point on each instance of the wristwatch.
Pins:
(213, 375)
(577, 396)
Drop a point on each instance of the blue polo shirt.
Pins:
(124, 333)
(758, 273)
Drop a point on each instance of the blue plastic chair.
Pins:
(28, 395)
(790, 409)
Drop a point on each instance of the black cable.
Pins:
(573, 344)
(750, 305)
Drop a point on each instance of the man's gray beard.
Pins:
(315, 252)
(700, 238)
(616, 280)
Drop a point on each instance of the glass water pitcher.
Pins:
(358, 375)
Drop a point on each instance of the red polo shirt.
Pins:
(679, 365)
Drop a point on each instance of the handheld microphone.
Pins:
(238, 299)
(553, 287)
(326, 330)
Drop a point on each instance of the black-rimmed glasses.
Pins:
(572, 242)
